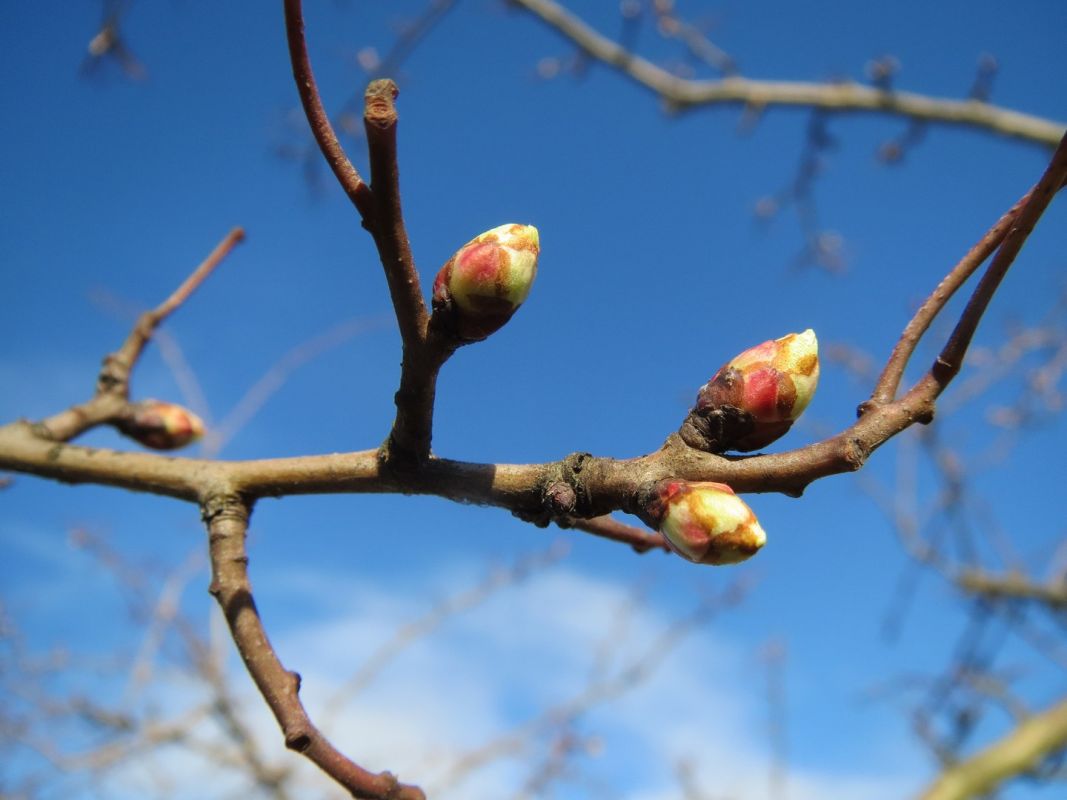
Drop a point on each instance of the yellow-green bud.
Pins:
(485, 282)
(161, 425)
(705, 522)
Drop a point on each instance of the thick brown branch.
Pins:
(347, 175)
(226, 517)
(408, 445)
(836, 97)
(1022, 750)
(607, 484)
(599, 485)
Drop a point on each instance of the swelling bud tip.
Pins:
(161, 425)
(705, 522)
(485, 282)
(755, 398)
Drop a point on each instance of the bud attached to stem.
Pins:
(704, 522)
(161, 425)
(755, 398)
(485, 282)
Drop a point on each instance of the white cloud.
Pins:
(530, 648)
(490, 669)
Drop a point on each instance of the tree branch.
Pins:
(597, 486)
(1020, 751)
(379, 117)
(949, 361)
(226, 516)
(1011, 586)
(113, 382)
(640, 539)
(849, 97)
(893, 372)
(408, 445)
(347, 175)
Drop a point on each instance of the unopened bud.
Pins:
(756, 397)
(485, 282)
(161, 425)
(704, 522)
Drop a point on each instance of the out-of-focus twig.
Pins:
(1020, 751)
(841, 97)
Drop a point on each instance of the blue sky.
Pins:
(653, 272)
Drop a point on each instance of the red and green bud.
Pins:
(755, 398)
(704, 522)
(161, 425)
(486, 281)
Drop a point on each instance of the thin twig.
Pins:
(406, 635)
(695, 40)
(113, 382)
(889, 381)
(408, 444)
(123, 360)
(950, 359)
(412, 34)
(390, 234)
(254, 398)
(347, 175)
(606, 527)
(605, 689)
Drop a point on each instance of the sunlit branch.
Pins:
(226, 517)
(1021, 750)
(680, 93)
(1012, 586)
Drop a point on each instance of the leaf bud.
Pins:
(704, 522)
(755, 398)
(485, 281)
(161, 425)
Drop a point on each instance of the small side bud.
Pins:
(704, 522)
(485, 282)
(161, 425)
(755, 398)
